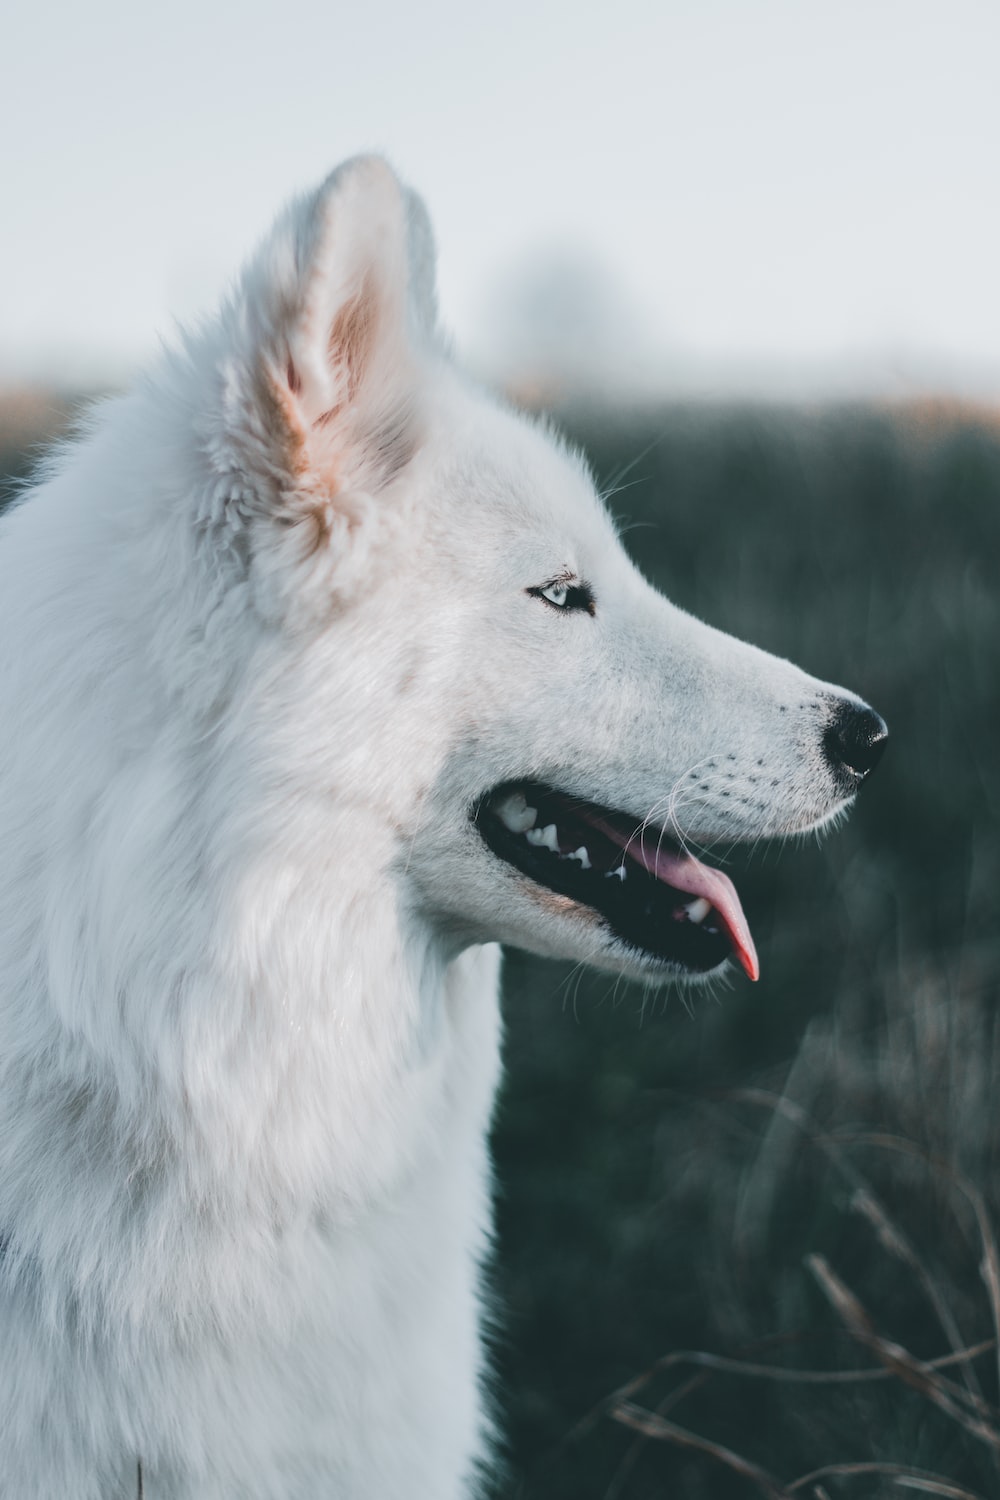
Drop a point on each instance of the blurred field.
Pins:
(666, 1165)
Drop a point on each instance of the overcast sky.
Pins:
(757, 190)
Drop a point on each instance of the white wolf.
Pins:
(321, 674)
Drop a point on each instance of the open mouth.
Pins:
(651, 893)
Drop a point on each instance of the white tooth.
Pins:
(544, 838)
(515, 814)
(698, 909)
(620, 872)
(580, 854)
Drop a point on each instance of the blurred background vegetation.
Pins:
(801, 1174)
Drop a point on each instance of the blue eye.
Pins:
(565, 594)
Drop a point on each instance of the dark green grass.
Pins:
(647, 1204)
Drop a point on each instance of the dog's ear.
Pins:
(422, 262)
(324, 340)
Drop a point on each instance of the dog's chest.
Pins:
(361, 1366)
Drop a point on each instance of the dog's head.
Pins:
(460, 672)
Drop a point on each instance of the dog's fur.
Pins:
(268, 635)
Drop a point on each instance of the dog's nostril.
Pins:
(855, 738)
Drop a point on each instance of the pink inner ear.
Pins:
(352, 339)
(366, 434)
(280, 415)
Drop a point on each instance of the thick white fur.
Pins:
(266, 638)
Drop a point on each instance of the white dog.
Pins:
(322, 673)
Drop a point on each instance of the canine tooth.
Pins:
(698, 909)
(515, 814)
(580, 854)
(544, 838)
(620, 872)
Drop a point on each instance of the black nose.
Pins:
(855, 738)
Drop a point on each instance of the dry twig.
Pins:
(908, 1479)
(899, 1361)
(964, 1405)
(648, 1423)
(990, 1267)
(866, 1201)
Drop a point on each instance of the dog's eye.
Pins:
(564, 594)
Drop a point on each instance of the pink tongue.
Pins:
(685, 873)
